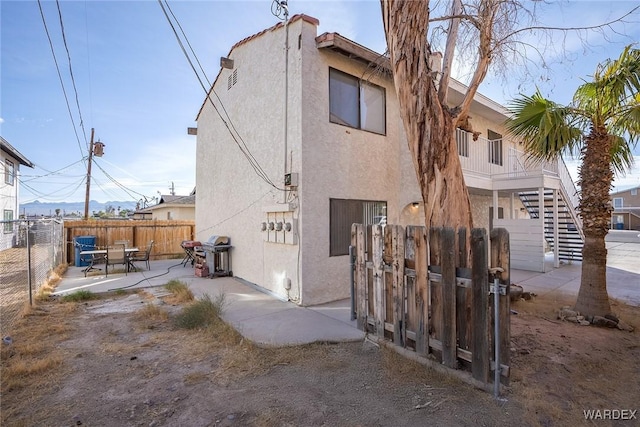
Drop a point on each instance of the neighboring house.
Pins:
(285, 184)
(173, 208)
(10, 162)
(142, 214)
(626, 209)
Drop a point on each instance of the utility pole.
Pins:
(86, 196)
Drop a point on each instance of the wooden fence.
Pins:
(425, 298)
(166, 235)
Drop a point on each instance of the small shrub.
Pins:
(202, 313)
(79, 296)
(151, 313)
(180, 292)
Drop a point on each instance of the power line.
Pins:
(49, 173)
(253, 162)
(125, 189)
(73, 80)
(64, 91)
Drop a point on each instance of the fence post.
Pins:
(29, 243)
(500, 257)
(480, 366)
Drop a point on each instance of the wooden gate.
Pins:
(425, 298)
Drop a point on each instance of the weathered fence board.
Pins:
(480, 312)
(358, 240)
(378, 282)
(500, 257)
(433, 298)
(397, 248)
(449, 321)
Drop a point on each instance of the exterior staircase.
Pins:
(570, 237)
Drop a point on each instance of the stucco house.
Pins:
(172, 208)
(10, 161)
(295, 145)
(626, 209)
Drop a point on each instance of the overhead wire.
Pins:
(212, 89)
(77, 99)
(73, 80)
(49, 173)
(121, 186)
(64, 91)
(239, 141)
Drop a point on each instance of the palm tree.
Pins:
(602, 123)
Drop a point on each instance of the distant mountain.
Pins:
(67, 208)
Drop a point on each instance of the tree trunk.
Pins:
(595, 182)
(428, 123)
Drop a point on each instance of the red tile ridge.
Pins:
(293, 19)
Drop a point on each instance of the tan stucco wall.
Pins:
(177, 213)
(332, 161)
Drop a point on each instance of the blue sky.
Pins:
(137, 90)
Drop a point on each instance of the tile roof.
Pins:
(294, 18)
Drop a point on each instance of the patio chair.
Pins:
(121, 242)
(144, 256)
(116, 255)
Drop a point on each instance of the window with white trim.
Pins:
(7, 226)
(495, 147)
(462, 140)
(618, 202)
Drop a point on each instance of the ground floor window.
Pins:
(343, 213)
(8, 225)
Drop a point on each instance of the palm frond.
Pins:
(615, 83)
(621, 155)
(546, 129)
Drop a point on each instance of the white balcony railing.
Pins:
(487, 158)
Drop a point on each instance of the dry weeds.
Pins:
(561, 368)
(556, 371)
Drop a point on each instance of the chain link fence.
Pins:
(29, 251)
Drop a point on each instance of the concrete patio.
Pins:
(267, 320)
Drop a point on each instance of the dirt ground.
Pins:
(116, 362)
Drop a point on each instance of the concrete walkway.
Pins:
(623, 275)
(269, 321)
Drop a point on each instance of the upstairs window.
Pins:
(9, 172)
(618, 202)
(356, 103)
(495, 147)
